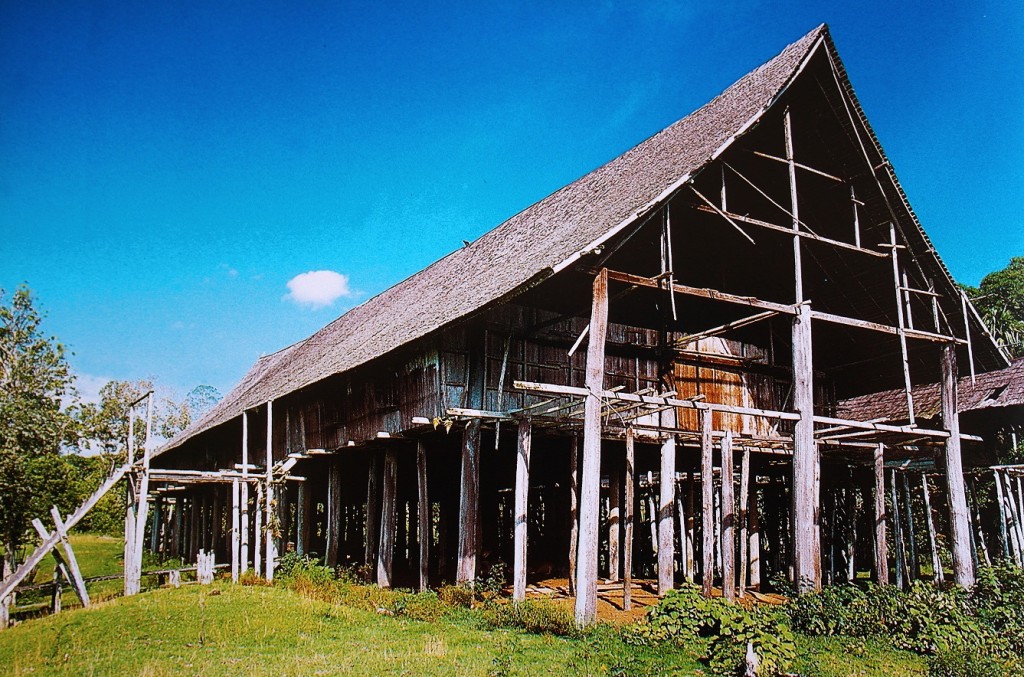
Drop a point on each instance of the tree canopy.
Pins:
(1000, 301)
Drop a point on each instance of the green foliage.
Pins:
(998, 602)
(725, 629)
(539, 616)
(456, 596)
(1000, 301)
(34, 379)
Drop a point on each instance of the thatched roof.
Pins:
(998, 389)
(532, 245)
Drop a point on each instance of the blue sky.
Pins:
(167, 169)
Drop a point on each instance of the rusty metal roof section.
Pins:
(991, 390)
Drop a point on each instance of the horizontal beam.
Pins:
(884, 328)
(798, 166)
(887, 428)
(789, 231)
(701, 292)
(552, 389)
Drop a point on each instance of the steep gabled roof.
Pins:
(529, 247)
(992, 390)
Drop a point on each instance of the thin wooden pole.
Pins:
(666, 518)
(707, 481)
(728, 522)
(614, 522)
(61, 566)
(386, 555)
(257, 549)
(897, 532)
(574, 521)
(1003, 536)
(963, 569)
(754, 517)
(937, 574)
(469, 503)
(850, 528)
(270, 504)
(627, 516)
(907, 386)
(979, 534)
(744, 565)
(131, 507)
(522, 502)
(691, 526)
(423, 513)
(881, 548)
(806, 536)
(794, 209)
(244, 498)
(590, 486)
(236, 537)
(69, 557)
(908, 516)
(372, 532)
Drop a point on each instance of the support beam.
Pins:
(907, 385)
(236, 535)
(303, 511)
(937, 573)
(881, 548)
(423, 513)
(806, 535)
(386, 555)
(270, 505)
(666, 516)
(712, 294)
(960, 544)
(372, 532)
(590, 486)
(244, 498)
(728, 523)
(627, 517)
(743, 513)
(69, 557)
(707, 481)
(521, 509)
(574, 503)
(65, 566)
(469, 503)
(614, 521)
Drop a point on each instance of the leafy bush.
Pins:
(998, 601)
(456, 596)
(536, 616)
(685, 615)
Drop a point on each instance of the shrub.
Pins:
(456, 596)
(536, 616)
(998, 601)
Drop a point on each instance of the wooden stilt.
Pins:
(707, 481)
(1003, 536)
(913, 566)
(270, 505)
(680, 524)
(881, 549)
(652, 513)
(627, 516)
(236, 536)
(521, 509)
(937, 574)
(614, 522)
(744, 565)
(469, 503)
(372, 532)
(850, 527)
(907, 386)
(60, 574)
(691, 526)
(154, 529)
(590, 485)
(978, 540)
(666, 518)
(806, 536)
(963, 569)
(897, 532)
(386, 554)
(244, 498)
(728, 523)
(423, 513)
(257, 550)
(574, 498)
(754, 518)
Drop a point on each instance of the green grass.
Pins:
(225, 630)
(847, 656)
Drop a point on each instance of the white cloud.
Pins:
(317, 288)
(89, 386)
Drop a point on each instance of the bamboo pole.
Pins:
(586, 571)
(522, 498)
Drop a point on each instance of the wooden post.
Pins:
(469, 503)
(614, 522)
(423, 513)
(59, 574)
(236, 535)
(244, 498)
(707, 481)
(728, 523)
(590, 486)
(897, 532)
(574, 501)
(218, 521)
(794, 208)
(69, 557)
(691, 526)
(850, 528)
(370, 537)
(1003, 536)
(743, 511)
(907, 386)
(908, 516)
(154, 530)
(937, 574)
(754, 518)
(881, 549)
(257, 549)
(977, 531)
(627, 517)
(61, 565)
(387, 521)
(521, 509)
(131, 505)
(963, 569)
(806, 536)
(270, 504)
(666, 518)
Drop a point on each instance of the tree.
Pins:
(35, 379)
(1000, 301)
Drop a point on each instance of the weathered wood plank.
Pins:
(728, 522)
(69, 557)
(963, 569)
(629, 482)
(423, 513)
(881, 548)
(666, 516)
(806, 469)
(385, 558)
(522, 496)
(574, 501)
(469, 503)
(707, 481)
